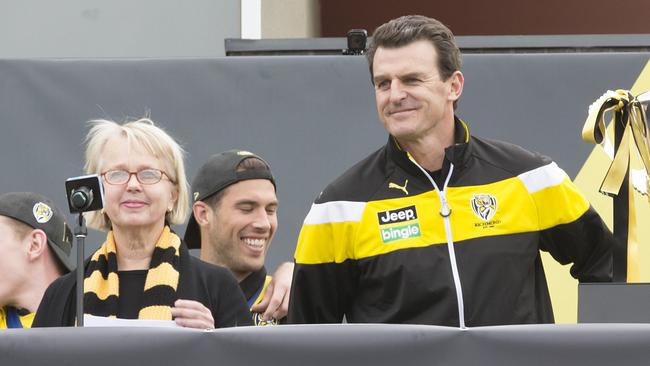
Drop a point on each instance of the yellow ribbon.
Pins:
(633, 120)
(628, 113)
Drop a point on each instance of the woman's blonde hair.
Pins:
(153, 139)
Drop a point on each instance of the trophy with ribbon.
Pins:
(630, 143)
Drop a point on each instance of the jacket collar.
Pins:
(457, 154)
(460, 151)
(252, 283)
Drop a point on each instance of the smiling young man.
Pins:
(439, 226)
(35, 243)
(233, 222)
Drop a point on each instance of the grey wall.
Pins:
(309, 116)
(540, 101)
(117, 28)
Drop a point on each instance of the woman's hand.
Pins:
(192, 314)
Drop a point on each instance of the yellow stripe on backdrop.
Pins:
(563, 287)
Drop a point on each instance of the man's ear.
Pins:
(36, 242)
(456, 86)
(202, 213)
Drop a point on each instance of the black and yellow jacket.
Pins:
(388, 243)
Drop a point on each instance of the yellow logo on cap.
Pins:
(196, 196)
(42, 212)
(244, 153)
(66, 237)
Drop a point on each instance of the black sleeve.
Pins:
(216, 288)
(57, 305)
(231, 308)
(321, 293)
(585, 242)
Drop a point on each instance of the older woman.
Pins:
(143, 270)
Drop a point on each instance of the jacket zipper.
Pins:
(445, 212)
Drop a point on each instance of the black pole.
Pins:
(80, 233)
(621, 208)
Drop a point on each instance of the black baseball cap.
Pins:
(219, 172)
(39, 212)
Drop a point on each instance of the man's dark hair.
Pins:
(244, 165)
(411, 28)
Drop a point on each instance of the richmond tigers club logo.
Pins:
(257, 320)
(42, 212)
(484, 205)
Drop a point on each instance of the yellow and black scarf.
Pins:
(101, 283)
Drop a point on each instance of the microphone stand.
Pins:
(80, 233)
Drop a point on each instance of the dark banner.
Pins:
(327, 345)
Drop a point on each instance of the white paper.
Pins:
(100, 321)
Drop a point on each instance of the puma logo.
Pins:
(397, 186)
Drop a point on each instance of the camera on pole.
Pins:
(85, 194)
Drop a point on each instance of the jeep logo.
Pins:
(401, 214)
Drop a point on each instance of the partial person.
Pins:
(143, 270)
(35, 242)
(439, 226)
(233, 221)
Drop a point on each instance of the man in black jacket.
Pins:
(439, 226)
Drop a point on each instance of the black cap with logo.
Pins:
(39, 212)
(219, 172)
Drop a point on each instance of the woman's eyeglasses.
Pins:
(144, 176)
